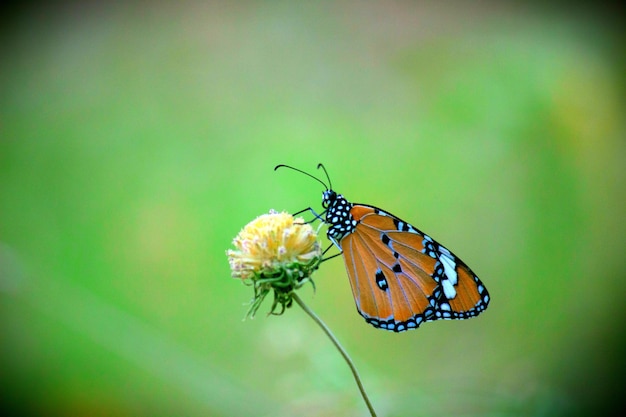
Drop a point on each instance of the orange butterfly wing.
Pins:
(400, 277)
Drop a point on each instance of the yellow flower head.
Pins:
(275, 252)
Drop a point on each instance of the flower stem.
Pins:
(340, 348)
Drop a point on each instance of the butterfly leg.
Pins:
(317, 216)
(329, 257)
(320, 218)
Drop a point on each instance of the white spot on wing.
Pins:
(449, 266)
(444, 251)
(448, 289)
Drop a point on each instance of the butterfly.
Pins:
(400, 276)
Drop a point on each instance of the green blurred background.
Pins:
(136, 140)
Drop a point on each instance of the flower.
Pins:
(275, 252)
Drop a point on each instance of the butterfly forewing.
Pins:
(400, 277)
(367, 297)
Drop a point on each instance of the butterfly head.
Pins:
(328, 198)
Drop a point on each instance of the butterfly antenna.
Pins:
(305, 173)
(330, 184)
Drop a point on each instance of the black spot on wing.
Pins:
(381, 280)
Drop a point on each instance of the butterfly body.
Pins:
(400, 277)
(338, 216)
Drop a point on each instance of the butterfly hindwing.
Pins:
(401, 277)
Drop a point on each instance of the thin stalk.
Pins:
(340, 348)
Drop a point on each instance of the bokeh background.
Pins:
(137, 139)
